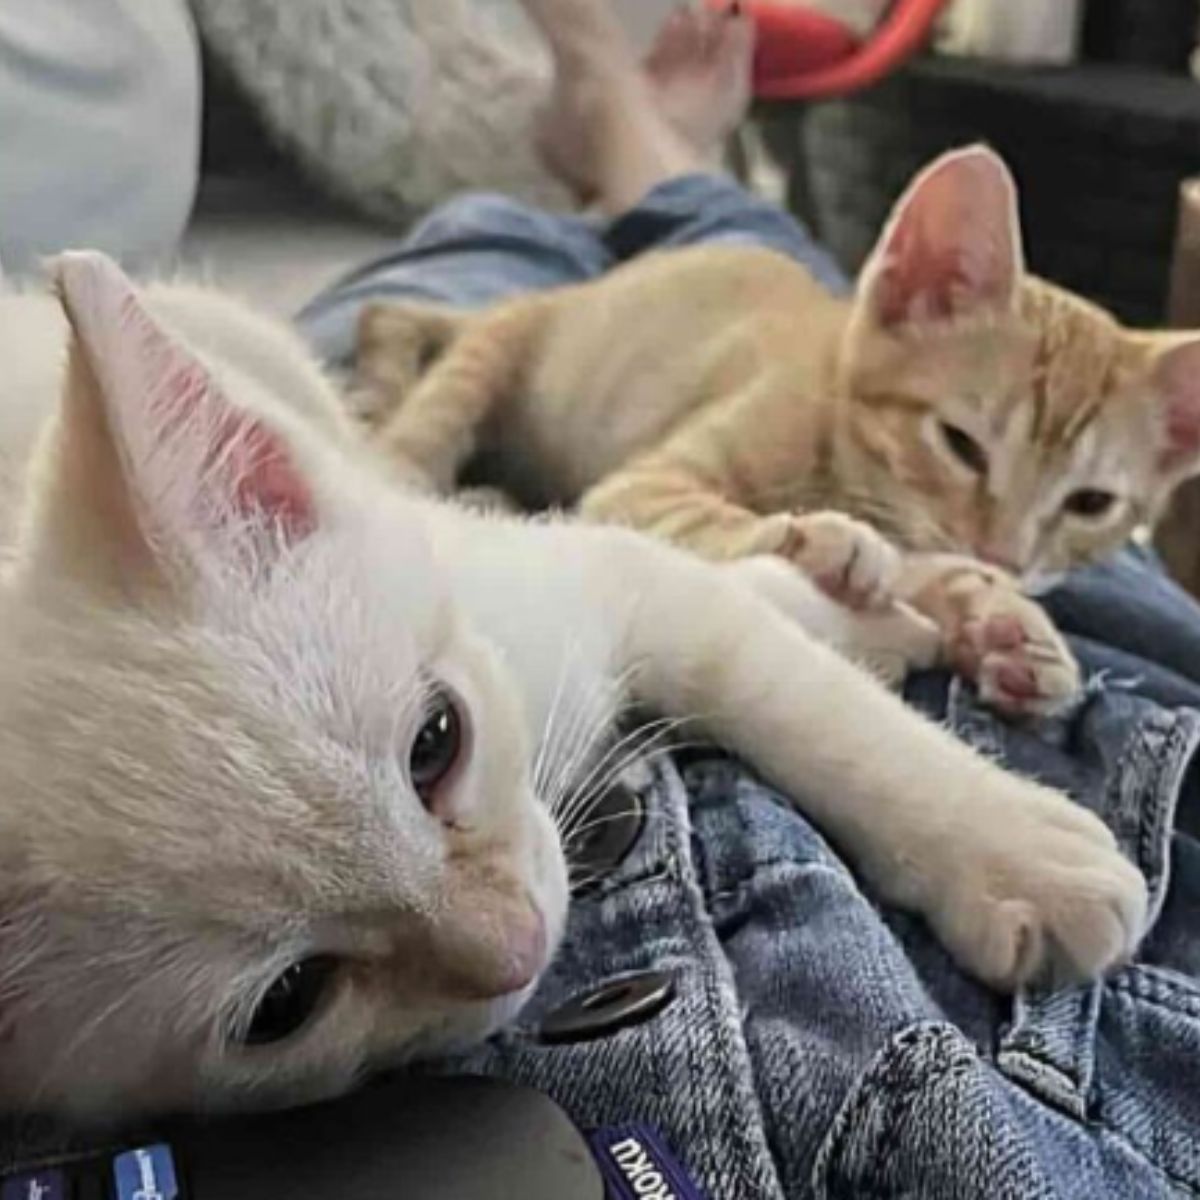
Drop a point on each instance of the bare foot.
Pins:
(699, 71)
(613, 128)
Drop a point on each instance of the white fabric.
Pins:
(395, 104)
(99, 127)
(398, 104)
(1018, 31)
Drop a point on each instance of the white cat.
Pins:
(279, 745)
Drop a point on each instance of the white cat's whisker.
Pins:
(639, 747)
(572, 747)
(625, 814)
(592, 719)
(588, 722)
(551, 728)
(583, 788)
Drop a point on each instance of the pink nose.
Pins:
(524, 954)
(484, 960)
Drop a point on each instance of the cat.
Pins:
(956, 428)
(288, 755)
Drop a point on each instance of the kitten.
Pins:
(719, 397)
(282, 747)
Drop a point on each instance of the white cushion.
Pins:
(99, 125)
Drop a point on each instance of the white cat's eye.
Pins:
(1090, 503)
(437, 748)
(964, 447)
(289, 1003)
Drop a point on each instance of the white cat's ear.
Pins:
(1175, 379)
(153, 465)
(951, 248)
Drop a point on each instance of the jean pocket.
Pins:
(927, 1120)
(1146, 1075)
(1124, 1055)
(932, 1119)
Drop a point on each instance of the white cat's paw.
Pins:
(889, 642)
(847, 559)
(892, 643)
(1036, 890)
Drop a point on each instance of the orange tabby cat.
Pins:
(956, 427)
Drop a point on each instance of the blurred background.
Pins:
(1101, 138)
(323, 128)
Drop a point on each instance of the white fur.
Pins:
(206, 719)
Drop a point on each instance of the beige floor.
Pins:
(275, 243)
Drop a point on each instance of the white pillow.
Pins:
(394, 104)
(99, 127)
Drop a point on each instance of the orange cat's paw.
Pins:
(1006, 644)
(1022, 665)
(847, 559)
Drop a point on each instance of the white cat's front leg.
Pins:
(888, 642)
(1016, 879)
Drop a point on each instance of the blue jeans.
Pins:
(818, 1045)
(481, 249)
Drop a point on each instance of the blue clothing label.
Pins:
(147, 1173)
(35, 1185)
(637, 1165)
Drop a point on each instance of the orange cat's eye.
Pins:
(964, 447)
(1090, 502)
(437, 748)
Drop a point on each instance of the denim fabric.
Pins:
(483, 248)
(818, 1045)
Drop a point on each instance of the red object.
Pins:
(806, 55)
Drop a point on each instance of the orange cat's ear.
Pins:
(1176, 382)
(151, 464)
(951, 248)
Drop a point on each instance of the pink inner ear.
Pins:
(1177, 376)
(194, 458)
(248, 465)
(267, 480)
(953, 246)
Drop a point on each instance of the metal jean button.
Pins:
(618, 1004)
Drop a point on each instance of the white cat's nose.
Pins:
(524, 955)
(495, 955)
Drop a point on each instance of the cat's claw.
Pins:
(1035, 890)
(847, 559)
(1001, 640)
(1018, 660)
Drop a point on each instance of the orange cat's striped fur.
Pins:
(993, 428)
